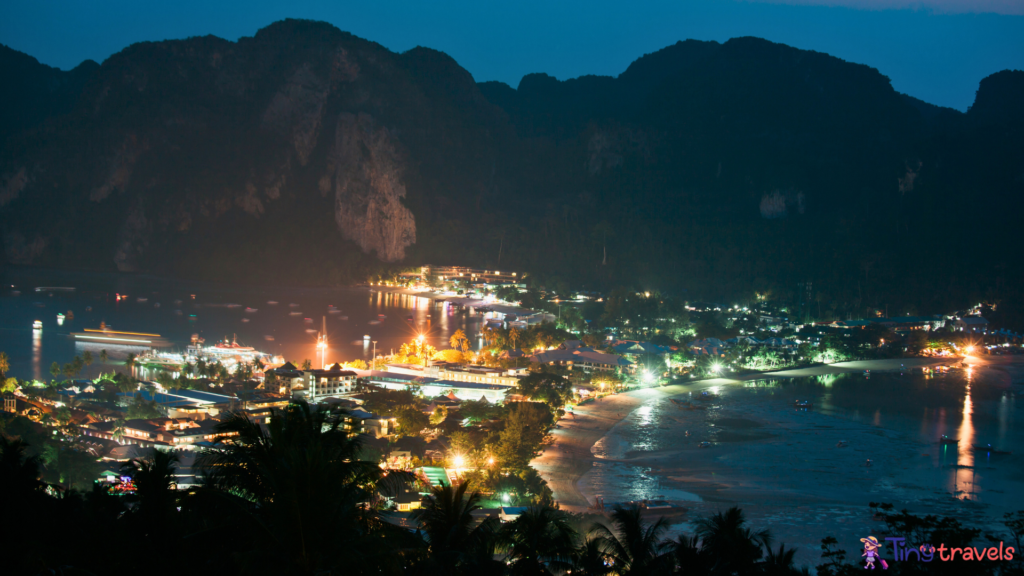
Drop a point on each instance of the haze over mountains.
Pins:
(308, 155)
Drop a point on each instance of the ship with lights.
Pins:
(108, 336)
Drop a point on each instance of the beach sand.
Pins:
(783, 467)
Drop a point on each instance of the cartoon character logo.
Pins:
(870, 554)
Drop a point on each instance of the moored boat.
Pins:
(988, 448)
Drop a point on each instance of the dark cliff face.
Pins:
(303, 147)
(309, 154)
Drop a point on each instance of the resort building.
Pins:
(583, 357)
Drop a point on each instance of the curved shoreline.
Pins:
(564, 463)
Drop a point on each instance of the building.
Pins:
(314, 385)
(461, 373)
(162, 433)
(472, 275)
(972, 324)
(363, 422)
(428, 387)
(583, 357)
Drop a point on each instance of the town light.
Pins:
(420, 338)
(648, 377)
(969, 350)
(458, 461)
(490, 461)
(715, 368)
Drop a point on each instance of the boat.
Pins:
(704, 445)
(947, 440)
(232, 347)
(251, 310)
(307, 320)
(142, 299)
(245, 319)
(293, 305)
(343, 318)
(988, 448)
(88, 308)
(802, 404)
(152, 358)
(295, 313)
(106, 335)
(157, 305)
(60, 319)
(268, 338)
(232, 305)
(842, 444)
(272, 302)
(381, 316)
(37, 325)
(310, 331)
(366, 338)
(55, 289)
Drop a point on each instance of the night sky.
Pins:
(936, 50)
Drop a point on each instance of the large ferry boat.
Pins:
(222, 349)
(106, 335)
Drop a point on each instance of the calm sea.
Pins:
(178, 309)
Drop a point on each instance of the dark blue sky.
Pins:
(937, 51)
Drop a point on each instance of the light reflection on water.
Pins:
(271, 328)
(964, 475)
(897, 418)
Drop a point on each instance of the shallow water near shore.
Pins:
(808, 473)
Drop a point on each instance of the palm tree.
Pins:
(457, 542)
(19, 472)
(539, 541)
(635, 547)
(513, 335)
(5, 365)
(735, 548)
(155, 488)
(591, 559)
(780, 563)
(690, 557)
(302, 487)
(55, 370)
(459, 341)
(87, 358)
(129, 362)
(103, 356)
(118, 430)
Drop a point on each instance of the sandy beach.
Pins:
(782, 466)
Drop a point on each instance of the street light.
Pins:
(373, 359)
(458, 461)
